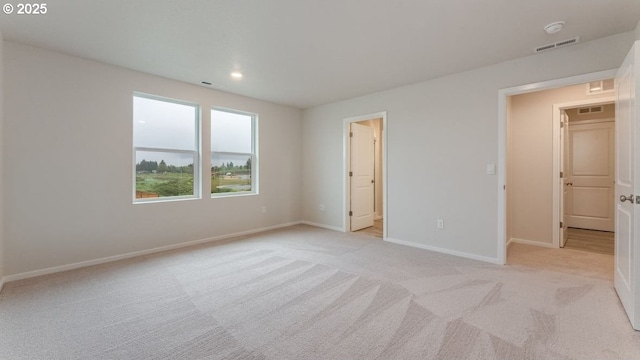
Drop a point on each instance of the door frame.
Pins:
(503, 94)
(346, 157)
(556, 190)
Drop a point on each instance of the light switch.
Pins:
(491, 169)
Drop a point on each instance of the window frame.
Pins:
(196, 153)
(253, 155)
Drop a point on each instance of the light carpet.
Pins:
(309, 293)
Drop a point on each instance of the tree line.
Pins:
(162, 167)
(230, 166)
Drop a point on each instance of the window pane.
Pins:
(230, 173)
(231, 132)
(163, 174)
(163, 124)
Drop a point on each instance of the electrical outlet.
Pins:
(321, 207)
(440, 224)
(264, 209)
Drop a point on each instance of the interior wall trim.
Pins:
(532, 242)
(82, 264)
(328, 227)
(445, 251)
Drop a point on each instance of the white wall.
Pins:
(441, 135)
(530, 173)
(2, 271)
(68, 178)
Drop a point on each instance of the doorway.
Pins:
(538, 178)
(627, 81)
(587, 182)
(539, 175)
(365, 174)
(587, 165)
(548, 233)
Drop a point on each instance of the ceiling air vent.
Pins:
(558, 44)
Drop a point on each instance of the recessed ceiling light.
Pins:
(554, 27)
(236, 75)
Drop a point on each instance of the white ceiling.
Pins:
(311, 52)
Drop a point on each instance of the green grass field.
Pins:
(167, 184)
(174, 184)
(221, 184)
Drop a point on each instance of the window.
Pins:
(233, 155)
(165, 146)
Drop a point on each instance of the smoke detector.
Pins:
(554, 27)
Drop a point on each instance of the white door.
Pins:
(564, 180)
(361, 176)
(590, 175)
(627, 251)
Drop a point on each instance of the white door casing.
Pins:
(361, 175)
(590, 175)
(627, 218)
(564, 183)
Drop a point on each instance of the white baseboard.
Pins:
(445, 251)
(329, 227)
(108, 259)
(530, 242)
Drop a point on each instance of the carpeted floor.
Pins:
(309, 293)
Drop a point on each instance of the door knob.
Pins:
(626, 198)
